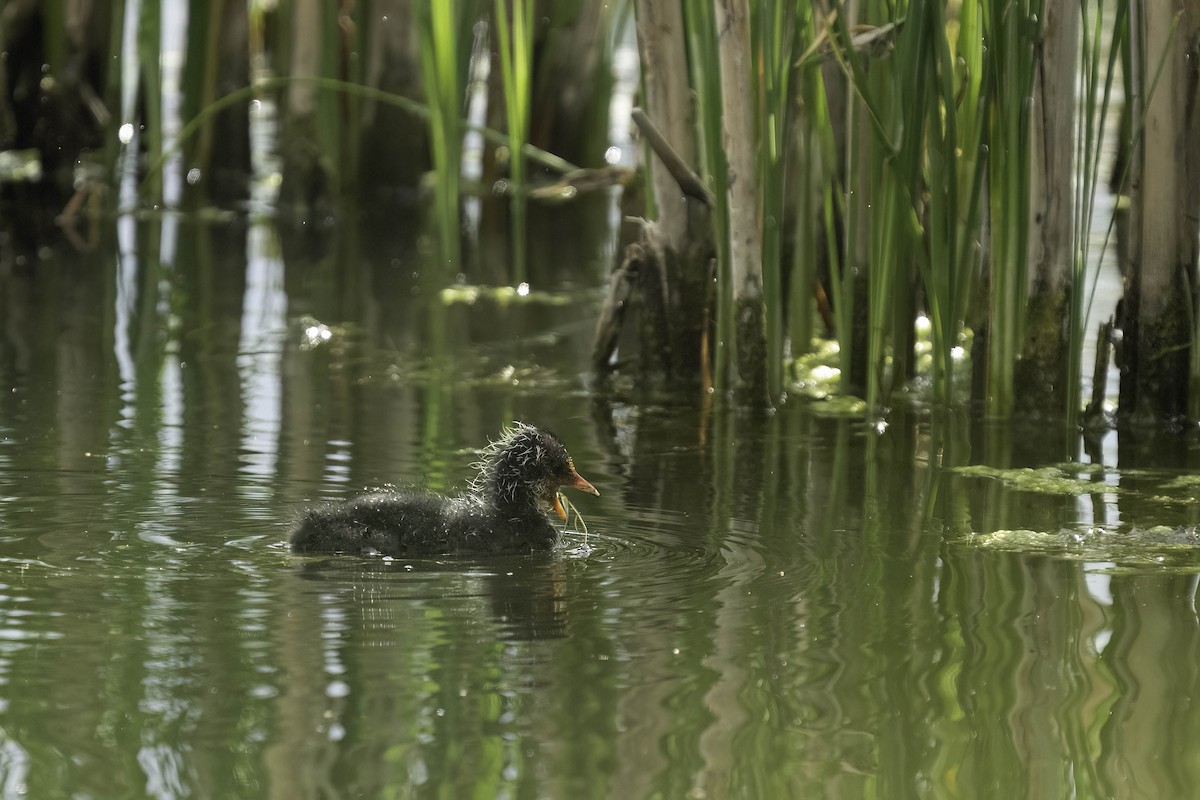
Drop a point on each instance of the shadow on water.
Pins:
(761, 606)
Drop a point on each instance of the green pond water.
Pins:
(793, 605)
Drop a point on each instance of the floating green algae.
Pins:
(1163, 547)
(1044, 480)
(1188, 482)
(468, 294)
(840, 406)
(816, 374)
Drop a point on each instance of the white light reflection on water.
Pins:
(263, 332)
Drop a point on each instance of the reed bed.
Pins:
(896, 168)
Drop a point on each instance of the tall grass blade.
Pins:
(773, 34)
(438, 31)
(516, 57)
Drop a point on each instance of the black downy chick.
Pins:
(505, 509)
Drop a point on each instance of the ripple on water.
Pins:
(23, 621)
(648, 565)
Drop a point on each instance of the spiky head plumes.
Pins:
(527, 466)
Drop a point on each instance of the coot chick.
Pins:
(505, 509)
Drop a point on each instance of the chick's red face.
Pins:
(575, 481)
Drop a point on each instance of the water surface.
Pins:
(783, 606)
